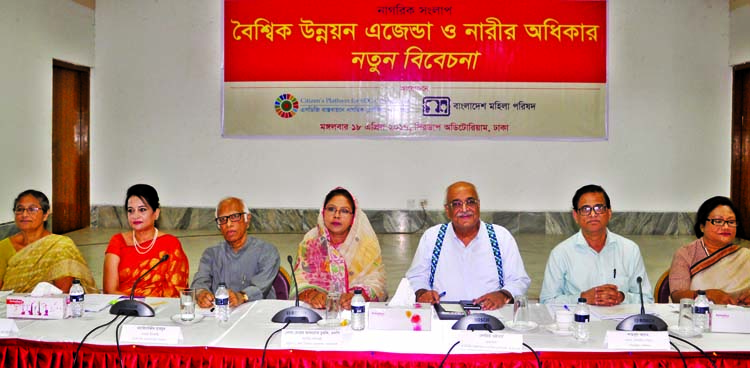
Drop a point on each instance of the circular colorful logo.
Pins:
(286, 105)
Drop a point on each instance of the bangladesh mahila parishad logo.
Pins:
(286, 105)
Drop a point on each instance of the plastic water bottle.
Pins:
(358, 311)
(581, 331)
(222, 303)
(701, 312)
(76, 299)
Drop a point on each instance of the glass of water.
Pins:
(187, 304)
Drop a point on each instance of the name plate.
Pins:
(637, 340)
(8, 327)
(310, 338)
(485, 341)
(169, 335)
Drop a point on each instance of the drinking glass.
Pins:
(333, 307)
(521, 311)
(187, 304)
(685, 321)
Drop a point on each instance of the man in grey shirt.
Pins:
(247, 265)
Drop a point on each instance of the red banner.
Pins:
(561, 41)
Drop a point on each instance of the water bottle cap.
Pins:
(701, 292)
(222, 284)
(582, 300)
(76, 281)
(358, 292)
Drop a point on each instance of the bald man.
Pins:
(466, 258)
(245, 264)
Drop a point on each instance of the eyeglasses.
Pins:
(221, 220)
(32, 210)
(343, 211)
(721, 222)
(598, 209)
(470, 202)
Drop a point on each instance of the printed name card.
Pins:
(485, 341)
(169, 335)
(8, 327)
(637, 340)
(310, 338)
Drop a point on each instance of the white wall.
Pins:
(739, 32)
(32, 34)
(156, 119)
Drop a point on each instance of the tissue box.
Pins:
(383, 317)
(36, 307)
(730, 320)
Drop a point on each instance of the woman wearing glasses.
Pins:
(35, 255)
(712, 262)
(341, 254)
(132, 253)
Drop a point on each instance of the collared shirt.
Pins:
(251, 270)
(573, 267)
(468, 272)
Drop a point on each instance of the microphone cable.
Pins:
(117, 340)
(75, 356)
(538, 361)
(684, 363)
(696, 348)
(265, 347)
(446, 354)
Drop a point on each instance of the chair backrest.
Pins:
(661, 290)
(281, 284)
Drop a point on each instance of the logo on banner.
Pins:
(436, 106)
(286, 105)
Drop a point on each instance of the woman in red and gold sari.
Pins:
(713, 262)
(130, 254)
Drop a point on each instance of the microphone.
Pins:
(132, 307)
(295, 314)
(642, 321)
(478, 321)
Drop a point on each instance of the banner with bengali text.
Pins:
(471, 69)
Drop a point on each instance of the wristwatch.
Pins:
(245, 299)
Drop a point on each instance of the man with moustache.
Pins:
(247, 265)
(467, 259)
(594, 263)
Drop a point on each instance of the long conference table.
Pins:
(240, 343)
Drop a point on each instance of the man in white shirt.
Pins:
(467, 259)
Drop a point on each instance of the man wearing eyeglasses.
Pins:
(594, 263)
(247, 265)
(467, 259)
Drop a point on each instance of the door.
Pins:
(70, 147)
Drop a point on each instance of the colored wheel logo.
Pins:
(286, 105)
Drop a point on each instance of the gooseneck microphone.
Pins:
(295, 314)
(132, 307)
(643, 321)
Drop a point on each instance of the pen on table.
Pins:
(442, 294)
(614, 273)
(566, 307)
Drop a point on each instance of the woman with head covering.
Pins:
(341, 254)
(35, 255)
(712, 262)
(130, 254)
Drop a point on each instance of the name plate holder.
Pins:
(8, 327)
(485, 341)
(638, 340)
(169, 335)
(311, 338)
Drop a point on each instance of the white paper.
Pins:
(169, 335)
(45, 288)
(485, 341)
(8, 327)
(637, 340)
(311, 338)
(98, 302)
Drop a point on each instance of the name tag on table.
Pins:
(485, 341)
(8, 327)
(311, 338)
(637, 340)
(169, 335)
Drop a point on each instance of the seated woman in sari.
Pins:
(712, 262)
(35, 255)
(341, 254)
(130, 254)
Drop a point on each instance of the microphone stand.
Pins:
(132, 307)
(295, 314)
(643, 321)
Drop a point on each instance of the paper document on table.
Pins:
(617, 312)
(98, 302)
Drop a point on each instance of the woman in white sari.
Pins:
(713, 262)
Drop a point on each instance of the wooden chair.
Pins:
(661, 289)
(281, 284)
